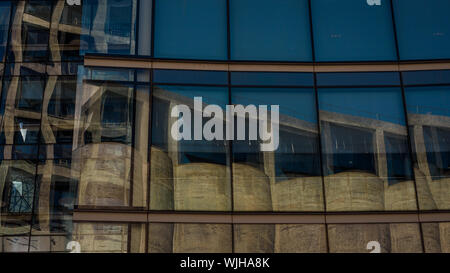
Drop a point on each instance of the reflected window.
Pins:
(288, 178)
(19, 187)
(5, 12)
(365, 150)
(109, 116)
(437, 143)
(41, 9)
(429, 121)
(108, 27)
(190, 172)
(352, 149)
(398, 158)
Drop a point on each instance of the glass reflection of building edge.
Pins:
(98, 141)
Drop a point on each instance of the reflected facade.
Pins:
(95, 98)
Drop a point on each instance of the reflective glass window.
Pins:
(367, 165)
(17, 187)
(272, 78)
(194, 29)
(285, 174)
(21, 108)
(436, 237)
(108, 238)
(270, 30)
(426, 77)
(190, 77)
(279, 238)
(358, 79)
(423, 29)
(353, 30)
(189, 170)
(108, 27)
(189, 238)
(110, 140)
(429, 121)
(5, 11)
(377, 238)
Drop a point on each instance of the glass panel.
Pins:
(189, 238)
(21, 107)
(426, 77)
(109, 238)
(270, 30)
(5, 10)
(110, 146)
(52, 243)
(41, 9)
(436, 237)
(423, 31)
(190, 77)
(29, 42)
(374, 238)
(272, 78)
(279, 238)
(429, 120)
(358, 79)
(353, 30)
(59, 110)
(108, 27)
(17, 186)
(287, 177)
(55, 199)
(102, 144)
(184, 30)
(188, 172)
(367, 164)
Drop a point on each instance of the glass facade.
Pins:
(215, 126)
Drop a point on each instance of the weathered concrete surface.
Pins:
(202, 186)
(202, 238)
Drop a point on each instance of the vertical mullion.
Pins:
(319, 131)
(230, 162)
(408, 133)
(137, 26)
(152, 36)
(228, 32)
(149, 152)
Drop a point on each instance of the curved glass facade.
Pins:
(214, 126)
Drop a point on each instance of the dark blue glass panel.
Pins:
(270, 30)
(108, 27)
(298, 103)
(384, 104)
(272, 78)
(116, 74)
(398, 158)
(423, 29)
(25, 152)
(189, 77)
(426, 77)
(5, 8)
(353, 30)
(194, 29)
(433, 101)
(354, 79)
